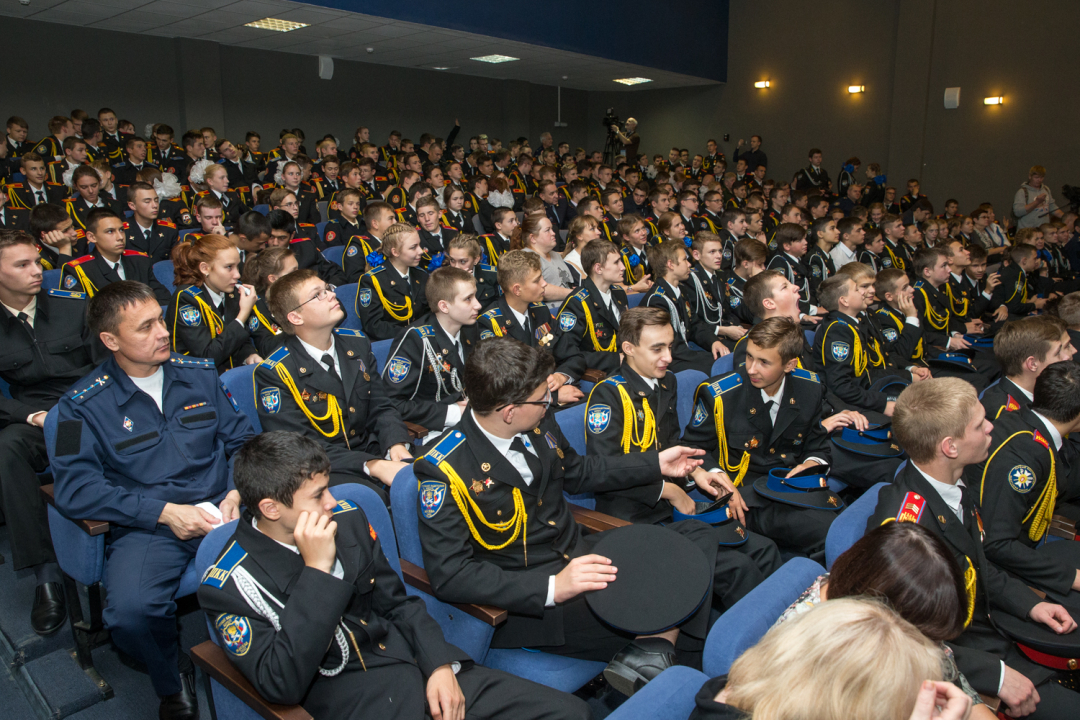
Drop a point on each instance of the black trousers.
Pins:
(22, 457)
(793, 528)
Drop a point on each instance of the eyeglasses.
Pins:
(326, 292)
(545, 403)
(290, 204)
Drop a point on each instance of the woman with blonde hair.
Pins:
(851, 658)
(209, 312)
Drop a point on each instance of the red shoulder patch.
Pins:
(1037, 437)
(299, 239)
(80, 260)
(1011, 405)
(166, 223)
(130, 253)
(912, 508)
(305, 224)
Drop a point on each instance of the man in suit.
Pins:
(943, 428)
(109, 261)
(323, 383)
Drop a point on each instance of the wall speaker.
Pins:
(326, 67)
(952, 98)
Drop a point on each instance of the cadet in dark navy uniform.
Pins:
(335, 630)
(109, 261)
(1016, 291)
(521, 314)
(943, 428)
(209, 312)
(424, 373)
(434, 237)
(464, 252)
(46, 347)
(35, 188)
(764, 420)
(642, 395)
(1024, 348)
(126, 172)
(144, 231)
(788, 261)
(507, 465)
(302, 239)
(710, 288)
(143, 443)
(1031, 465)
(324, 383)
(361, 249)
(391, 294)
(13, 218)
(86, 185)
(589, 318)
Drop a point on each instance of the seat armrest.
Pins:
(416, 432)
(216, 664)
(416, 576)
(1062, 527)
(90, 527)
(593, 375)
(596, 521)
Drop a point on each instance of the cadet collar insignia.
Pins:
(432, 495)
(1022, 479)
(598, 418)
(235, 632)
(219, 572)
(344, 506)
(54, 292)
(912, 508)
(271, 399)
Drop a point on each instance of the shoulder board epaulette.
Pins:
(493, 313)
(1011, 405)
(132, 253)
(80, 260)
(305, 224)
(188, 361)
(487, 268)
(218, 573)
(912, 508)
(625, 250)
(1037, 437)
(724, 384)
(302, 238)
(166, 223)
(537, 305)
(444, 447)
(67, 294)
(127, 226)
(344, 506)
(55, 184)
(191, 290)
(17, 186)
(347, 332)
(202, 193)
(658, 290)
(919, 284)
(375, 270)
(95, 386)
(278, 355)
(69, 200)
(582, 294)
(805, 375)
(424, 330)
(614, 379)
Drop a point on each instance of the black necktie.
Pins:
(768, 411)
(328, 361)
(26, 323)
(530, 459)
(458, 350)
(527, 325)
(40, 196)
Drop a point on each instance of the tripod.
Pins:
(612, 148)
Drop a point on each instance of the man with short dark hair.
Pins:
(143, 444)
(109, 261)
(813, 176)
(1015, 291)
(753, 157)
(1024, 348)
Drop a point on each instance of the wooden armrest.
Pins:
(417, 577)
(991, 702)
(596, 521)
(90, 527)
(416, 432)
(216, 664)
(593, 375)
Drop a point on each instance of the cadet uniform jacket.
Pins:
(308, 257)
(903, 341)
(22, 195)
(386, 301)
(488, 289)
(689, 327)
(90, 273)
(200, 329)
(265, 333)
(78, 210)
(966, 298)
(981, 647)
(470, 561)
(708, 290)
(126, 173)
(499, 321)
(425, 371)
(589, 328)
(40, 366)
(937, 322)
(14, 218)
(340, 231)
(381, 626)
(358, 255)
(1014, 291)
(352, 417)
(635, 264)
(852, 361)
(158, 242)
(821, 268)
(1002, 397)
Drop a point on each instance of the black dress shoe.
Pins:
(49, 611)
(183, 705)
(638, 663)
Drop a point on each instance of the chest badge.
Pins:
(128, 425)
(477, 487)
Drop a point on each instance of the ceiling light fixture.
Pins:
(440, 68)
(494, 59)
(276, 25)
(632, 81)
(761, 84)
(856, 89)
(993, 100)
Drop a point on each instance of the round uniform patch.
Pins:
(700, 414)
(70, 281)
(271, 399)
(397, 369)
(432, 494)
(727, 253)
(890, 334)
(598, 418)
(736, 301)
(485, 334)
(364, 297)
(235, 632)
(190, 316)
(840, 351)
(816, 271)
(567, 321)
(886, 262)
(1022, 479)
(351, 251)
(253, 323)
(330, 236)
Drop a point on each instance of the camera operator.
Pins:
(630, 139)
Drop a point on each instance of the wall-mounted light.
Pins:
(761, 84)
(856, 89)
(993, 100)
